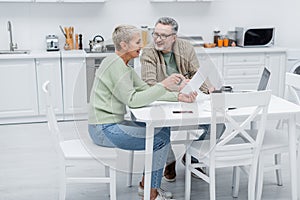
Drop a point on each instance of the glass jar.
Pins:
(216, 36)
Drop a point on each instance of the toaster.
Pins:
(52, 43)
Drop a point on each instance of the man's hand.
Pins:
(188, 98)
(175, 82)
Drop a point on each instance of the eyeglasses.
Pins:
(162, 37)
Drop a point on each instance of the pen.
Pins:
(179, 81)
(182, 111)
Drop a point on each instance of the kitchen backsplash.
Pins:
(32, 22)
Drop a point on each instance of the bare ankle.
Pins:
(153, 193)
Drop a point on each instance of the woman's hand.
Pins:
(175, 82)
(211, 89)
(188, 98)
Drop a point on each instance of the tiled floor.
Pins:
(29, 171)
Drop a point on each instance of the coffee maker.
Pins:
(52, 43)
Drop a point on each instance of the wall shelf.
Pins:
(52, 1)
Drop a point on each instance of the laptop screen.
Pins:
(264, 79)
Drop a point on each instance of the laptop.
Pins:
(263, 83)
(264, 80)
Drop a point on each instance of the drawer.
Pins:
(242, 86)
(242, 72)
(244, 59)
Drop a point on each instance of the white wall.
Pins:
(33, 21)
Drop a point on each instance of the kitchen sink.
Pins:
(14, 52)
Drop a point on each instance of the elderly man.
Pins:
(165, 56)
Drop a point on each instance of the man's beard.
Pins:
(159, 48)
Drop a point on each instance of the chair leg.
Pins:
(212, 182)
(62, 184)
(187, 176)
(252, 182)
(107, 174)
(260, 177)
(236, 181)
(130, 168)
(277, 159)
(279, 124)
(113, 184)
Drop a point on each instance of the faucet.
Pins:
(12, 46)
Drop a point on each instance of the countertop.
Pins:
(82, 53)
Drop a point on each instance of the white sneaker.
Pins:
(161, 197)
(161, 192)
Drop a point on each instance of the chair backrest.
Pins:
(292, 83)
(237, 145)
(52, 121)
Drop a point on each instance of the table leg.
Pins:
(292, 156)
(148, 161)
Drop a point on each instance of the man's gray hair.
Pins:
(168, 21)
(123, 33)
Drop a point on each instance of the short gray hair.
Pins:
(168, 21)
(123, 33)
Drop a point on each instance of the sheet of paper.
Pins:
(197, 80)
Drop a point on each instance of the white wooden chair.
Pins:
(72, 153)
(230, 150)
(275, 142)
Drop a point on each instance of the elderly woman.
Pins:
(116, 85)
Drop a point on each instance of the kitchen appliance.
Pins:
(52, 43)
(196, 41)
(97, 44)
(255, 36)
(293, 66)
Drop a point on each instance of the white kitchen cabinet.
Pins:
(49, 69)
(14, 1)
(180, 1)
(18, 89)
(54, 1)
(275, 62)
(74, 86)
(70, 1)
(242, 68)
(83, 1)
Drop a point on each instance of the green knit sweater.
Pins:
(117, 85)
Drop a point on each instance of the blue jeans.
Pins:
(205, 136)
(131, 135)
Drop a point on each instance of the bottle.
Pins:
(80, 41)
(216, 36)
(76, 42)
(144, 35)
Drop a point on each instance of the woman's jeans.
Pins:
(205, 136)
(131, 135)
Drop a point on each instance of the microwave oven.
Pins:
(254, 37)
